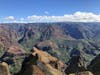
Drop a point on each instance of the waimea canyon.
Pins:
(59, 48)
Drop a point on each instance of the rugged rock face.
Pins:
(8, 38)
(41, 63)
(95, 65)
(4, 69)
(75, 65)
(82, 73)
(25, 33)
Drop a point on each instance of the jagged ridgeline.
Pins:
(60, 39)
(65, 41)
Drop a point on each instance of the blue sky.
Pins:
(25, 9)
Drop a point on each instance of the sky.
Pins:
(49, 10)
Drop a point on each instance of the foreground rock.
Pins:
(41, 63)
(82, 73)
(4, 69)
(95, 65)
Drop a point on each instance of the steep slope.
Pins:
(41, 63)
(94, 66)
(7, 38)
(76, 64)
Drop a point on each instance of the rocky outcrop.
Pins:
(95, 65)
(41, 63)
(4, 69)
(75, 65)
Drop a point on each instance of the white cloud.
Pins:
(22, 19)
(76, 17)
(46, 12)
(9, 18)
